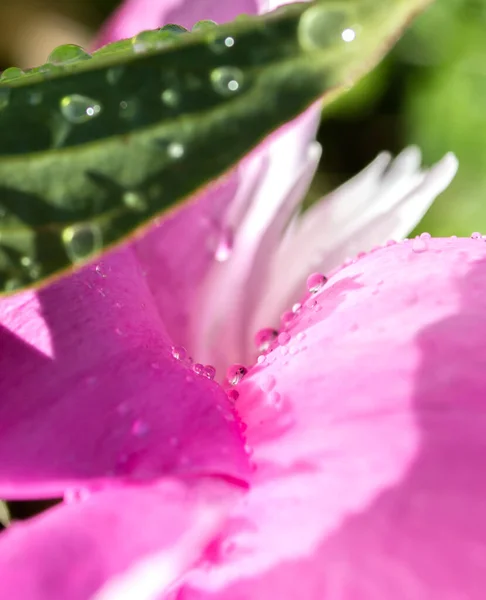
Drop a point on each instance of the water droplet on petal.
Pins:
(82, 240)
(198, 368)
(425, 236)
(283, 338)
(140, 428)
(265, 338)
(79, 109)
(419, 245)
(236, 373)
(225, 246)
(287, 318)
(268, 383)
(315, 282)
(261, 359)
(296, 307)
(300, 336)
(476, 235)
(66, 54)
(179, 352)
(233, 395)
(209, 371)
(227, 80)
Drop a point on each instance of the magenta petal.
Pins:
(90, 389)
(137, 15)
(369, 435)
(123, 544)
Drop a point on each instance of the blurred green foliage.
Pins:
(431, 91)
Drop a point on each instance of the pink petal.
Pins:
(92, 392)
(137, 15)
(125, 544)
(369, 436)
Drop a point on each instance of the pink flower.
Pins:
(347, 462)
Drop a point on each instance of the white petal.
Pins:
(233, 288)
(377, 205)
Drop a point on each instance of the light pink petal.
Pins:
(385, 201)
(369, 436)
(90, 390)
(125, 544)
(221, 331)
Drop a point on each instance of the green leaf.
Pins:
(94, 147)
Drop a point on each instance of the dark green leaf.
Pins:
(93, 147)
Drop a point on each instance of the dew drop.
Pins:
(67, 54)
(300, 336)
(283, 338)
(82, 240)
(198, 368)
(225, 246)
(175, 150)
(11, 73)
(476, 235)
(140, 428)
(35, 98)
(322, 27)
(79, 109)
(179, 352)
(261, 359)
(146, 40)
(114, 74)
(4, 97)
(297, 307)
(135, 201)
(268, 383)
(209, 371)
(170, 97)
(391, 243)
(227, 80)
(233, 395)
(128, 109)
(265, 338)
(425, 236)
(315, 282)
(221, 44)
(348, 35)
(204, 25)
(173, 28)
(287, 318)
(236, 373)
(419, 245)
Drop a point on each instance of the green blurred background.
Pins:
(430, 91)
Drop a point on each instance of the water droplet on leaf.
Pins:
(4, 97)
(79, 109)
(82, 240)
(175, 150)
(204, 25)
(66, 54)
(322, 27)
(170, 97)
(11, 73)
(227, 80)
(135, 201)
